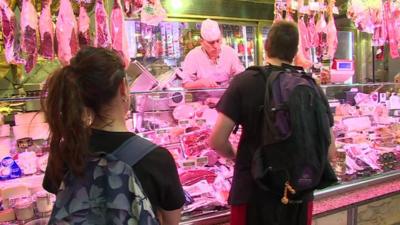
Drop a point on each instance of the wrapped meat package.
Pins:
(195, 142)
(191, 177)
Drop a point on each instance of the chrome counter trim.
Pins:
(223, 216)
(359, 183)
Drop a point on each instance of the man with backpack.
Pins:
(282, 155)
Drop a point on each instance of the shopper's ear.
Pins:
(123, 88)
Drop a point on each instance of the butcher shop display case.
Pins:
(366, 128)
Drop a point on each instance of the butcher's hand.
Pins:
(207, 83)
(211, 102)
(201, 83)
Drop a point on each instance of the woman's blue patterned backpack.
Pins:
(109, 193)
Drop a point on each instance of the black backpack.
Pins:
(292, 156)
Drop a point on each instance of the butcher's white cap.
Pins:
(210, 30)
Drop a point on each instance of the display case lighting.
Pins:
(176, 5)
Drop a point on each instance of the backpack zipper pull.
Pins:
(289, 188)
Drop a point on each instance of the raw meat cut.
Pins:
(312, 34)
(103, 38)
(304, 40)
(300, 59)
(303, 55)
(331, 37)
(380, 30)
(304, 37)
(132, 7)
(127, 8)
(137, 5)
(364, 14)
(46, 28)
(193, 176)
(201, 188)
(118, 35)
(10, 35)
(29, 27)
(322, 33)
(278, 10)
(396, 20)
(66, 33)
(289, 16)
(83, 27)
(152, 13)
(195, 142)
(396, 15)
(212, 157)
(394, 52)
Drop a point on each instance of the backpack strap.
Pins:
(269, 88)
(134, 149)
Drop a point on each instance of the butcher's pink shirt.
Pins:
(197, 65)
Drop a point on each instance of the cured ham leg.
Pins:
(305, 45)
(10, 35)
(46, 28)
(103, 38)
(321, 29)
(29, 27)
(118, 35)
(83, 27)
(303, 55)
(380, 31)
(394, 52)
(312, 34)
(331, 33)
(66, 32)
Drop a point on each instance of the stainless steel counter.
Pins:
(337, 190)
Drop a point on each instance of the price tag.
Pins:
(183, 123)
(155, 96)
(162, 131)
(189, 164)
(382, 97)
(394, 112)
(201, 122)
(202, 161)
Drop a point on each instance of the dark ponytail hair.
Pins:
(90, 82)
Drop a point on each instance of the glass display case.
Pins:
(164, 47)
(367, 131)
(366, 128)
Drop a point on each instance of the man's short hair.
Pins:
(282, 41)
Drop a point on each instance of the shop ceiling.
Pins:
(256, 10)
(244, 10)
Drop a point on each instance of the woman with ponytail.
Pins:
(85, 104)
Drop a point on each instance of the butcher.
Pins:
(212, 64)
